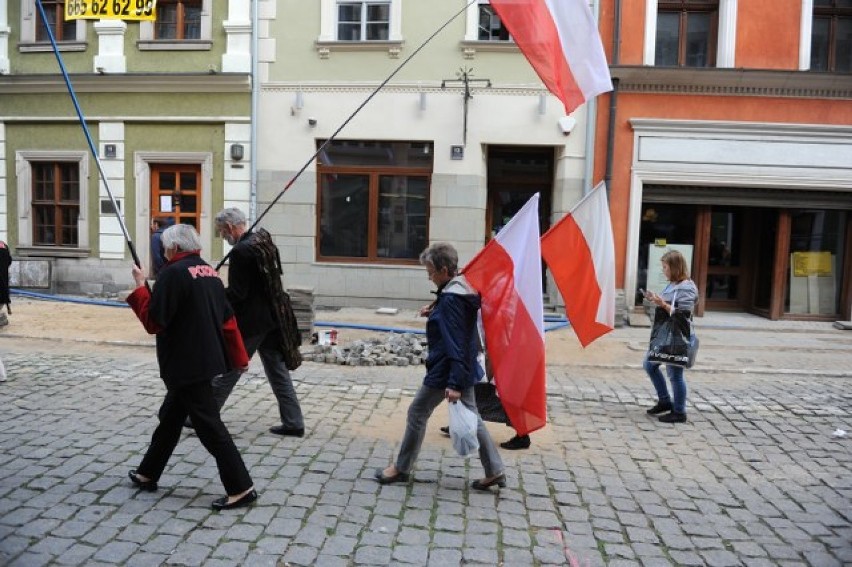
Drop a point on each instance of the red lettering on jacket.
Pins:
(202, 271)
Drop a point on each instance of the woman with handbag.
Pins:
(679, 295)
(451, 368)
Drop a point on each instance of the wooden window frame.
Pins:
(181, 20)
(684, 8)
(58, 8)
(834, 13)
(373, 173)
(56, 203)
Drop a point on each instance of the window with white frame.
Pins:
(690, 33)
(359, 22)
(490, 26)
(52, 199)
(367, 20)
(69, 35)
(686, 33)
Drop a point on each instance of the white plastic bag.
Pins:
(463, 424)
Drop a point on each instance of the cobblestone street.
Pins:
(759, 475)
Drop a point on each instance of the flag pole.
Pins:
(88, 135)
(347, 121)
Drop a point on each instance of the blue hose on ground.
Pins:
(558, 320)
(84, 300)
(384, 329)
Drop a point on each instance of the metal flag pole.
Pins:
(348, 120)
(92, 148)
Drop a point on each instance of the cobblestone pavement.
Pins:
(758, 476)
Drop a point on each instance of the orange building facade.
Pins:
(729, 137)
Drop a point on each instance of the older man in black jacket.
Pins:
(260, 327)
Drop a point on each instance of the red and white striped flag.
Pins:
(580, 253)
(560, 39)
(507, 274)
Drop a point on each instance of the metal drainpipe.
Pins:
(255, 87)
(613, 98)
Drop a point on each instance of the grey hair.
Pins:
(232, 216)
(441, 255)
(182, 236)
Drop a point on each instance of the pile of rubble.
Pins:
(390, 350)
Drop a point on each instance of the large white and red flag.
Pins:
(507, 274)
(560, 39)
(580, 253)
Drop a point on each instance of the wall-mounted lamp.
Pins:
(298, 102)
(542, 104)
(422, 102)
(566, 124)
(237, 152)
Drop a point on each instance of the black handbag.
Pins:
(673, 340)
(488, 404)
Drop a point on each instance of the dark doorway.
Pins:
(516, 173)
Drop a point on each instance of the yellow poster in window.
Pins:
(111, 10)
(811, 264)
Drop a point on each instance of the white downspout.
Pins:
(255, 87)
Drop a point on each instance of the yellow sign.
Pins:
(811, 264)
(111, 9)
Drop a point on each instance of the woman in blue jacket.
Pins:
(451, 367)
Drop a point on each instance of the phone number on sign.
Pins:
(111, 9)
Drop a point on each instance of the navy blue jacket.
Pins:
(452, 337)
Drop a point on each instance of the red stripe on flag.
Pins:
(512, 339)
(534, 31)
(569, 258)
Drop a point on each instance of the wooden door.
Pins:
(176, 193)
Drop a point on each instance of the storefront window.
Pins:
(373, 200)
(663, 226)
(816, 258)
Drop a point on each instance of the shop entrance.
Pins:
(791, 263)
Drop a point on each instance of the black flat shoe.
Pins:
(673, 417)
(661, 407)
(499, 480)
(146, 485)
(517, 442)
(446, 430)
(382, 479)
(286, 431)
(222, 503)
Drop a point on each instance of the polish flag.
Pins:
(507, 275)
(560, 39)
(580, 253)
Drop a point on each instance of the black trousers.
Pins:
(195, 400)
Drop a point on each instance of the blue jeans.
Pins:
(675, 377)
